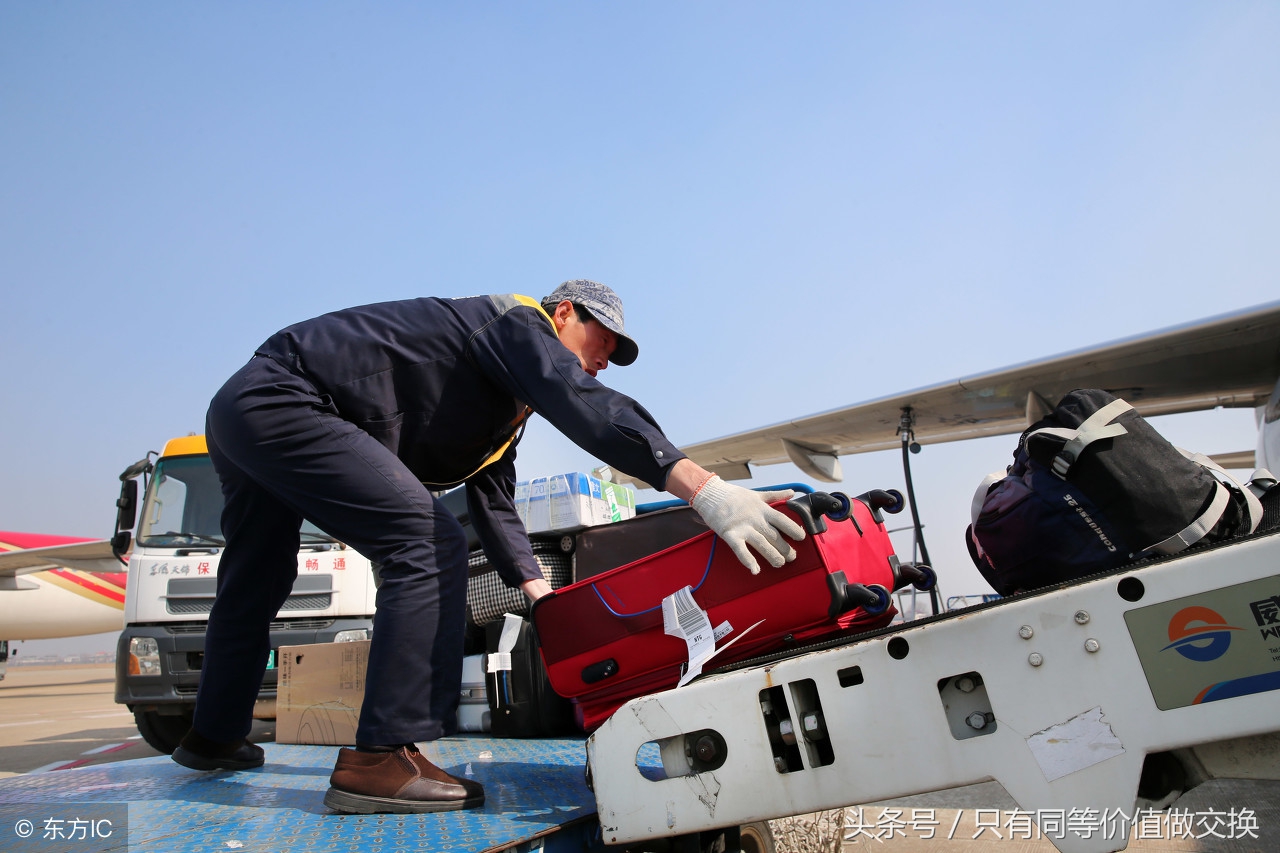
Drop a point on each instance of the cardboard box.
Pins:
(321, 688)
(319, 693)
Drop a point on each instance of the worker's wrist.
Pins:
(535, 588)
(705, 480)
(685, 478)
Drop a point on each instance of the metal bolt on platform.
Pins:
(815, 728)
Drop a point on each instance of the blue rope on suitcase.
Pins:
(706, 571)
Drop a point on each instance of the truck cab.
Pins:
(173, 574)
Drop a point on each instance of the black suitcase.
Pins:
(605, 547)
(521, 701)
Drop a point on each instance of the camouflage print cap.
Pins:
(605, 306)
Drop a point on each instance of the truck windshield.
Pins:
(183, 506)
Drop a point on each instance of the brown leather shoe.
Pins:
(399, 782)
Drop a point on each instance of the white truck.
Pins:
(173, 568)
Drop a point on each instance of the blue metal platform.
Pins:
(533, 789)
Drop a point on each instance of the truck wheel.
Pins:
(757, 837)
(162, 732)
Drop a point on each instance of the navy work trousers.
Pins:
(283, 454)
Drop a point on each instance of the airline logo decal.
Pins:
(1199, 634)
(1218, 644)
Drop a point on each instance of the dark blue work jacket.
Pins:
(444, 384)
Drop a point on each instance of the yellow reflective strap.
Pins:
(535, 304)
(514, 426)
(523, 416)
(497, 454)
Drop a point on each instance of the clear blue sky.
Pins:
(803, 205)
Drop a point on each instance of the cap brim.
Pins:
(625, 352)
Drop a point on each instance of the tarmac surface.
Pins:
(61, 716)
(54, 718)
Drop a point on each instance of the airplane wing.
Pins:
(1231, 360)
(93, 556)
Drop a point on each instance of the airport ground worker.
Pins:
(350, 420)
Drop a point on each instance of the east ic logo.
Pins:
(1199, 634)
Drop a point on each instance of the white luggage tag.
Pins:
(499, 662)
(683, 618)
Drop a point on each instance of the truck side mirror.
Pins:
(120, 543)
(127, 505)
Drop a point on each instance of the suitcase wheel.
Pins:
(844, 508)
(889, 500)
(922, 577)
(882, 600)
(873, 598)
(812, 507)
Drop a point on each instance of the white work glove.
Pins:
(742, 517)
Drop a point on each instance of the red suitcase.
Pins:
(603, 638)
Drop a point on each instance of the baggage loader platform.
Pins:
(1088, 701)
(536, 798)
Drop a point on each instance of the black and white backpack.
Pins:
(1093, 487)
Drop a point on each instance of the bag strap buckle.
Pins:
(1097, 426)
(1062, 464)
